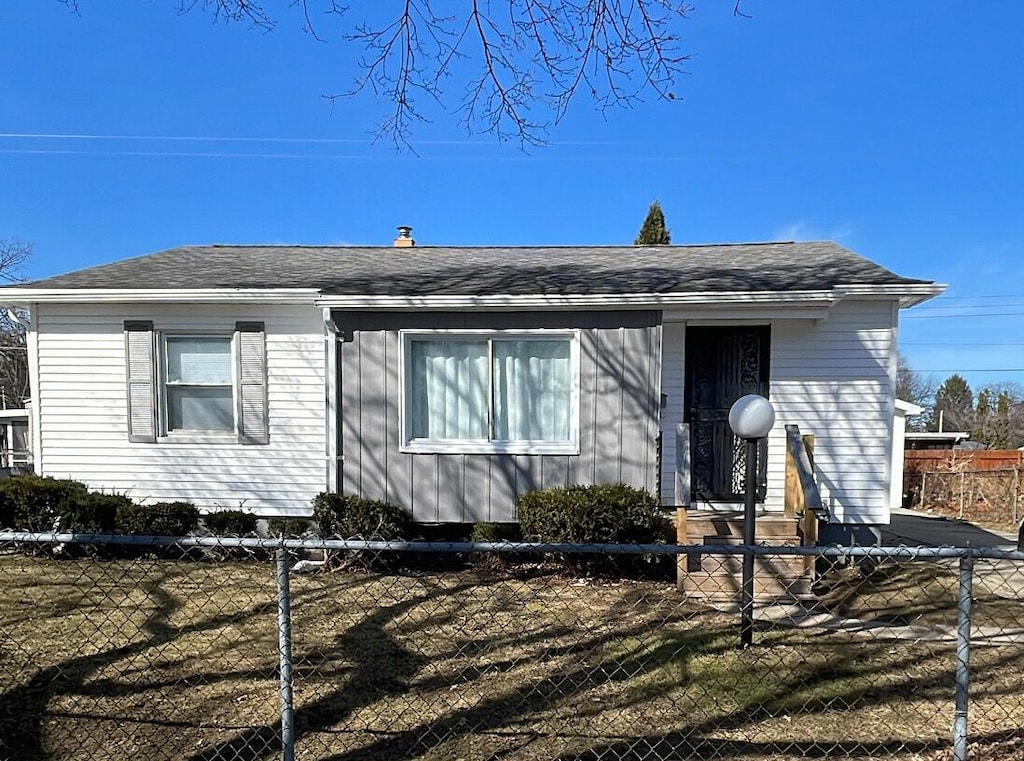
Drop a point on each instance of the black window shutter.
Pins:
(141, 372)
(253, 415)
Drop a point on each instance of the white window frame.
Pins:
(165, 435)
(490, 446)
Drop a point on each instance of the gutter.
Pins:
(566, 302)
(18, 295)
(908, 294)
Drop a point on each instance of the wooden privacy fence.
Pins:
(929, 460)
(984, 487)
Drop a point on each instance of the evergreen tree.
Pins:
(983, 423)
(654, 232)
(1000, 438)
(954, 403)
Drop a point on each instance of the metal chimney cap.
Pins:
(404, 239)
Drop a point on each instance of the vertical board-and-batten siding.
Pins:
(619, 391)
(832, 378)
(83, 423)
(673, 374)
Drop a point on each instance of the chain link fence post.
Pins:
(963, 654)
(284, 647)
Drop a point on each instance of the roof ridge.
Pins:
(590, 247)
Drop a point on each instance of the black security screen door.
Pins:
(722, 364)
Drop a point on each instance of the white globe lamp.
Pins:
(751, 417)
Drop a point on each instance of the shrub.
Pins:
(159, 519)
(230, 523)
(289, 527)
(591, 515)
(6, 511)
(93, 513)
(604, 514)
(348, 517)
(33, 503)
(495, 532)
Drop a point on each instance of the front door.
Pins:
(722, 364)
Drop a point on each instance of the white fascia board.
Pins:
(908, 408)
(158, 295)
(563, 302)
(733, 313)
(908, 294)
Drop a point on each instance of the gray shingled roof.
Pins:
(427, 270)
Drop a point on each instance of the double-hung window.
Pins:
(491, 392)
(196, 386)
(199, 392)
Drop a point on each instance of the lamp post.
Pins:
(750, 418)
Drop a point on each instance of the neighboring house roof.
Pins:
(937, 439)
(428, 271)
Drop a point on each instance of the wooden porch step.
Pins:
(769, 525)
(719, 577)
(724, 586)
(737, 541)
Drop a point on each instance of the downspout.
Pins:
(332, 454)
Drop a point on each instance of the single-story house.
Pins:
(450, 380)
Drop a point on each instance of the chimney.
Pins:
(404, 239)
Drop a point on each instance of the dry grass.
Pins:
(925, 594)
(174, 659)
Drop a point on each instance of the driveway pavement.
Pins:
(1004, 578)
(913, 529)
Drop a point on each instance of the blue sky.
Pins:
(893, 128)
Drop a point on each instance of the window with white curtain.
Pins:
(491, 392)
(198, 384)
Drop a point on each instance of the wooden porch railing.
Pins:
(802, 499)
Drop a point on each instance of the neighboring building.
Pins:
(904, 410)
(15, 441)
(450, 380)
(940, 440)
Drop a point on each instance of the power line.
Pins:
(958, 316)
(974, 370)
(292, 140)
(945, 297)
(951, 307)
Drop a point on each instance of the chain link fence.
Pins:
(243, 649)
(992, 498)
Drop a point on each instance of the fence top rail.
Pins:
(186, 542)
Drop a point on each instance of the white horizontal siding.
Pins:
(83, 426)
(833, 379)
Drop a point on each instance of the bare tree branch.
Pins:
(736, 11)
(14, 383)
(14, 254)
(514, 66)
